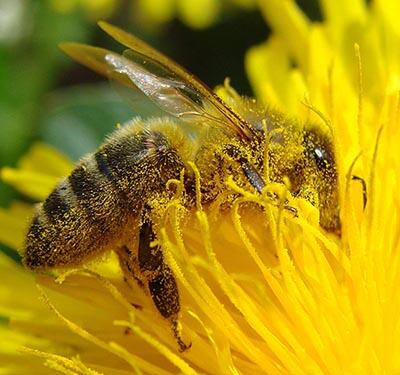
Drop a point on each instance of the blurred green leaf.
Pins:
(80, 117)
(28, 70)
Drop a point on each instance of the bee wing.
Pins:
(167, 84)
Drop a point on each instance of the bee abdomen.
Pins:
(94, 208)
(55, 207)
(37, 244)
(103, 166)
(87, 187)
(76, 222)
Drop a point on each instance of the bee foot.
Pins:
(137, 306)
(183, 347)
(127, 331)
(292, 210)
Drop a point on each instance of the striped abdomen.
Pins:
(97, 205)
(78, 220)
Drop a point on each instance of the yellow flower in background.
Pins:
(195, 13)
(153, 13)
(292, 300)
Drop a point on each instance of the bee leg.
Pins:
(364, 189)
(285, 204)
(291, 209)
(128, 263)
(160, 280)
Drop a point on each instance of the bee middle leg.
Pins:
(151, 272)
(128, 262)
(160, 280)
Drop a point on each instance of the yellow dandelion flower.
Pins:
(196, 14)
(288, 300)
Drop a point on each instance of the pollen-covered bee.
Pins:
(105, 202)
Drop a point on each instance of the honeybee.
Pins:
(105, 202)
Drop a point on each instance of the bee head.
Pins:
(321, 173)
(304, 154)
(306, 157)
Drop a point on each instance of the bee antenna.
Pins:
(248, 168)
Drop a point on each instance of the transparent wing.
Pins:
(163, 81)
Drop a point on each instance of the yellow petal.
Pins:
(33, 184)
(13, 224)
(199, 13)
(46, 160)
(289, 22)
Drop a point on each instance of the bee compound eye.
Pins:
(318, 149)
(321, 158)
